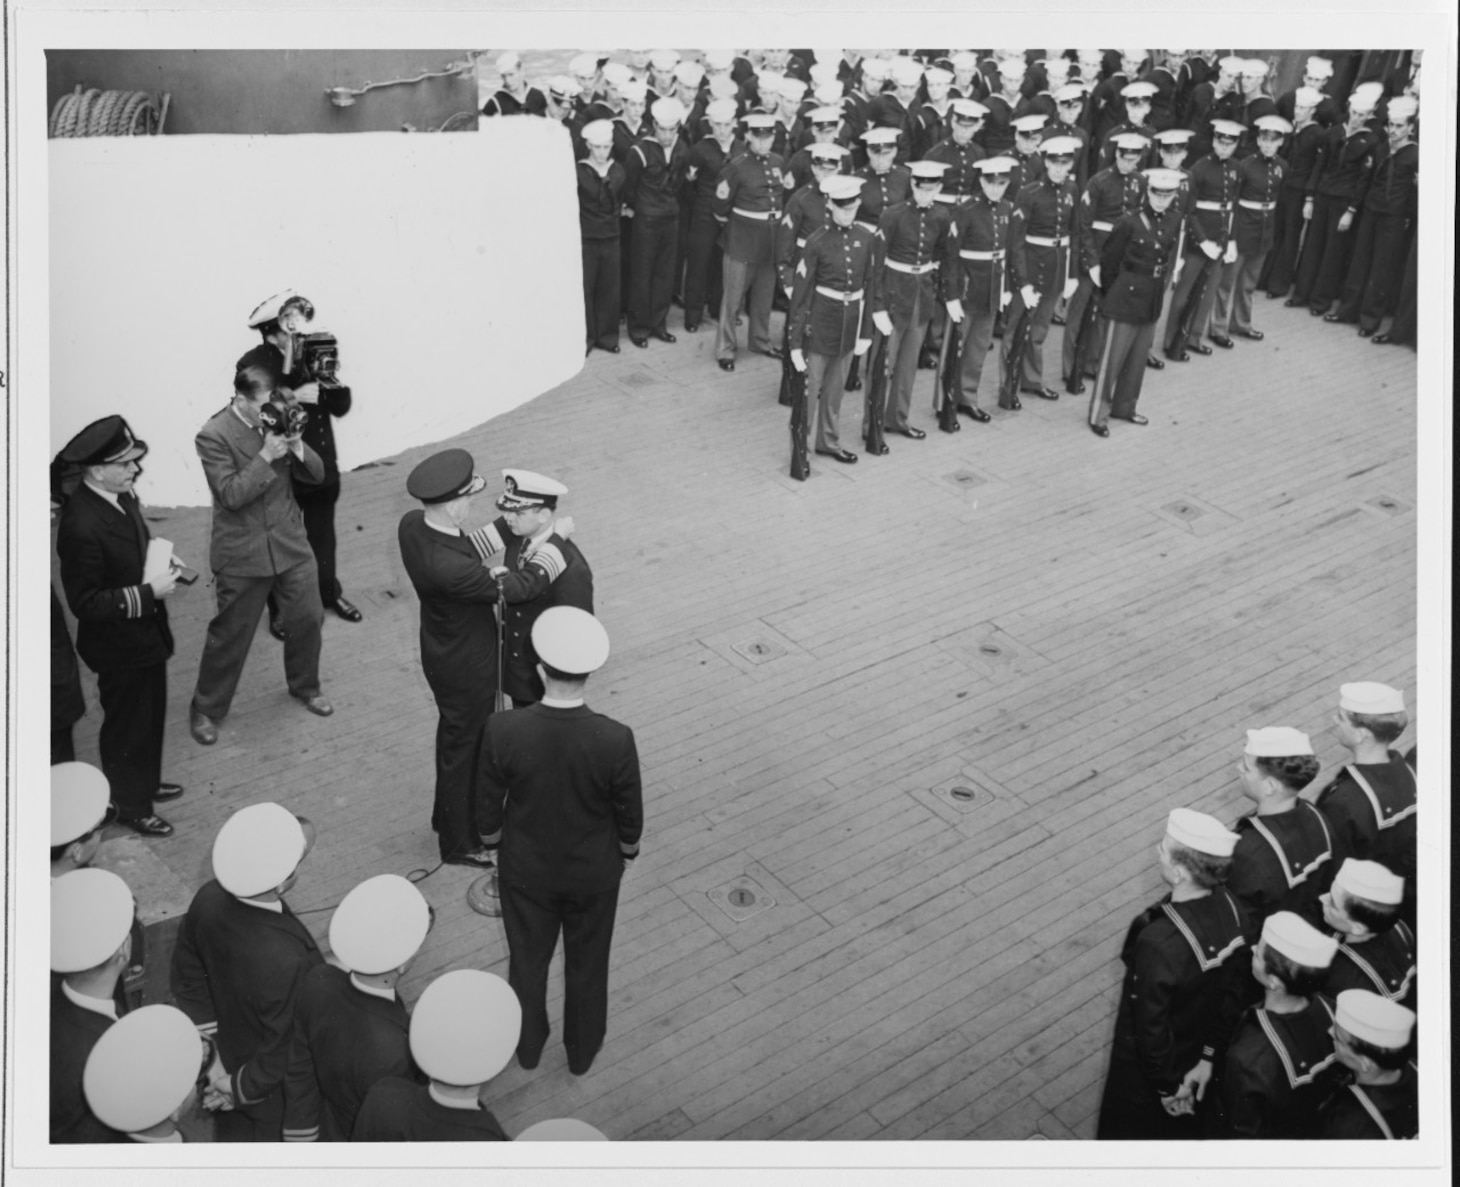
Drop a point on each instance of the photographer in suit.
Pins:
(280, 320)
(253, 452)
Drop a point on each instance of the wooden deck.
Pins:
(1073, 633)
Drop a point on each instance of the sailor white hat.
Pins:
(1196, 830)
(1369, 697)
(1373, 1018)
(1370, 880)
(1277, 741)
(1298, 940)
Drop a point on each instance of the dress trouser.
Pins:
(1324, 264)
(651, 274)
(1282, 260)
(317, 506)
(532, 918)
(1195, 265)
(1376, 270)
(1249, 270)
(460, 731)
(978, 336)
(1090, 347)
(134, 710)
(904, 344)
(600, 291)
(1221, 319)
(1031, 365)
(741, 277)
(702, 270)
(1122, 369)
(230, 634)
(826, 376)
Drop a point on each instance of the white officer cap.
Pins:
(142, 1068)
(927, 170)
(1057, 147)
(635, 90)
(689, 74)
(598, 132)
(1370, 880)
(562, 1129)
(842, 188)
(664, 59)
(1170, 137)
(79, 796)
(829, 93)
(1163, 181)
(584, 65)
(571, 640)
(1403, 108)
(826, 115)
(995, 167)
(668, 113)
(1130, 142)
(379, 925)
(719, 59)
(968, 109)
(1298, 940)
(257, 848)
(1318, 68)
(1254, 68)
(761, 122)
(1069, 92)
(1368, 697)
(1277, 741)
(1273, 123)
(508, 62)
(523, 488)
(1366, 96)
(937, 76)
(880, 136)
(1196, 830)
(831, 153)
(268, 310)
(722, 111)
(906, 72)
(825, 69)
(1227, 128)
(91, 914)
(791, 89)
(616, 74)
(466, 1024)
(1307, 97)
(1373, 1018)
(1138, 91)
(1029, 125)
(876, 69)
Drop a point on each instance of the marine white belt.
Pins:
(1264, 206)
(914, 269)
(947, 199)
(1041, 241)
(996, 254)
(1101, 225)
(838, 295)
(1222, 206)
(759, 215)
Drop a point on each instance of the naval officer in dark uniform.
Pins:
(565, 803)
(458, 635)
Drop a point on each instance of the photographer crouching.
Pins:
(304, 368)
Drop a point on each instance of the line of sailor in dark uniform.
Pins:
(1308, 196)
(1272, 993)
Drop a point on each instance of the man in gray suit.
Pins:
(258, 545)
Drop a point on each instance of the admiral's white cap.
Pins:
(465, 1025)
(668, 113)
(379, 925)
(1277, 741)
(616, 74)
(1374, 1019)
(1163, 181)
(1275, 123)
(968, 109)
(1298, 940)
(91, 914)
(268, 310)
(1196, 830)
(842, 188)
(1370, 880)
(508, 62)
(1368, 697)
(722, 111)
(142, 1068)
(1318, 68)
(1060, 146)
(571, 640)
(689, 74)
(524, 488)
(257, 848)
(664, 59)
(79, 796)
(598, 132)
(562, 1129)
(1138, 91)
(1366, 96)
(1130, 142)
(1029, 125)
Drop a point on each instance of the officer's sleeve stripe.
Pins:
(550, 561)
(629, 850)
(491, 842)
(132, 595)
(302, 1135)
(207, 1029)
(486, 541)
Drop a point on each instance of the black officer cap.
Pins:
(450, 474)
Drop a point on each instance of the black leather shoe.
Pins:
(203, 728)
(1317, 313)
(1075, 387)
(664, 336)
(611, 349)
(276, 628)
(1364, 332)
(641, 343)
(879, 451)
(1221, 340)
(316, 705)
(1178, 356)
(1056, 320)
(478, 859)
(579, 1066)
(346, 610)
(1200, 348)
(852, 385)
(166, 792)
(1331, 318)
(1154, 362)
(841, 455)
(772, 352)
(1255, 335)
(1100, 430)
(1135, 418)
(1293, 303)
(915, 433)
(149, 826)
(1044, 393)
(1013, 405)
(726, 364)
(978, 414)
(691, 329)
(927, 362)
(1380, 340)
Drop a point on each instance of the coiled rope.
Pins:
(94, 112)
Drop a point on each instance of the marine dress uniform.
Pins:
(960, 178)
(885, 188)
(1213, 182)
(1254, 229)
(981, 225)
(748, 198)
(831, 310)
(1133, 266)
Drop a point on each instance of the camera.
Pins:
(284, 419)
(319, 357)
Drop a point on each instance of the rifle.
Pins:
(1017, 343)
(945, 385)
(1075, 380)
(877, 382)
(800, 423)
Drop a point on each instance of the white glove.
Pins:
(1345, 220)
(1307, 209)
(786, 288)
(798, 360)
(1210, 249)
(1005, 297)
(1070, 286)
(955, 310)
(1095, 276)
(1031, 298)
(883, 322)
(863, 345)
(1230, 255)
